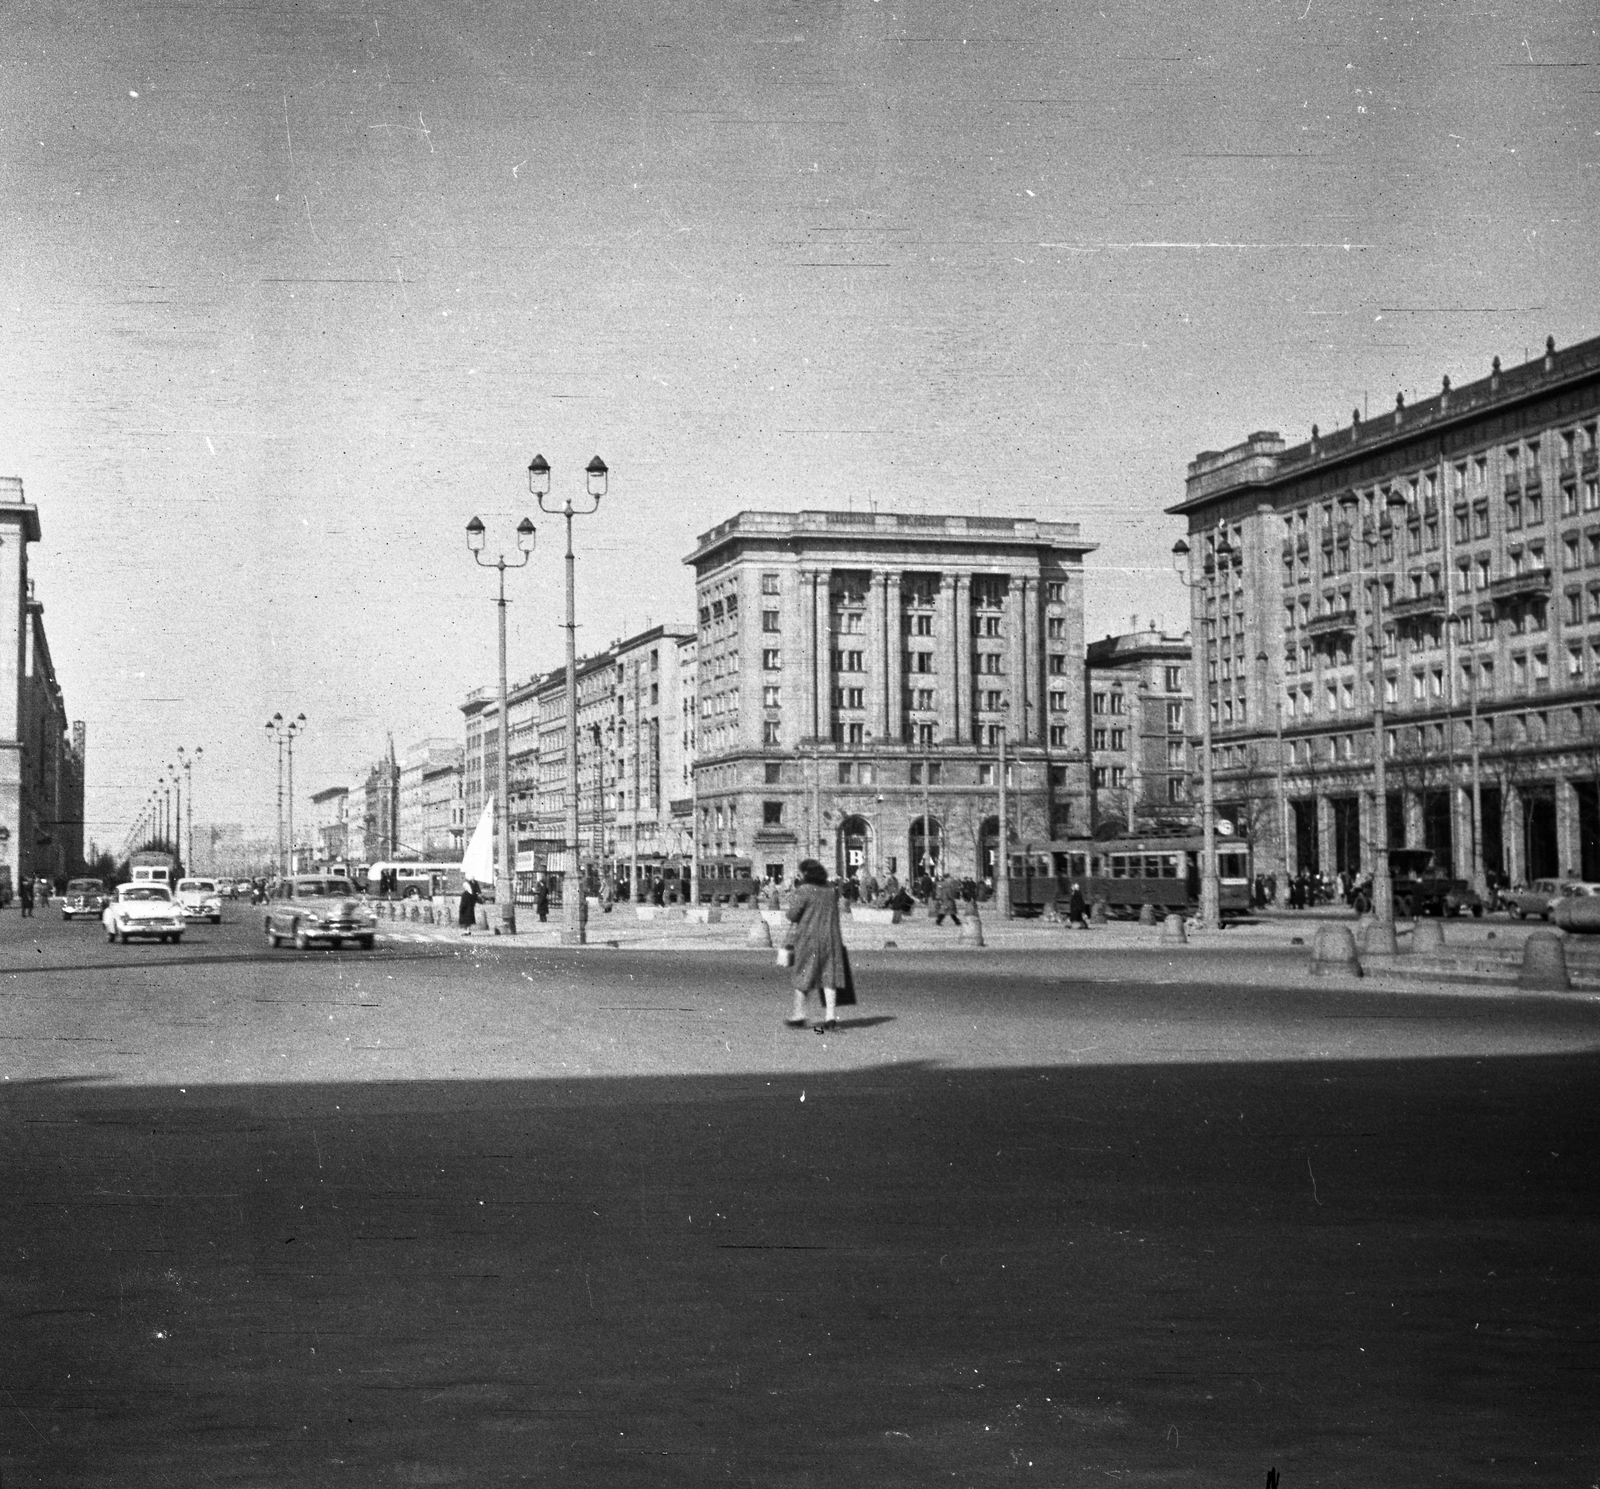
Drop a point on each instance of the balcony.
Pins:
(1591, 461)
(1416, 610)
(1513, 482)
(1519, 589)
(1325, 630)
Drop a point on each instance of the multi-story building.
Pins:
(330, 824)
(1441, 561)
(1138, 727)
(646, 760)
(443, 810)
(421, 758)
(859, 673)
(41, 753)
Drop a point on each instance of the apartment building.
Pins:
(860, 674)
(1430, 579)
(1138, 727)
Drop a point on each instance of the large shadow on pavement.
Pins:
(1363, 1273)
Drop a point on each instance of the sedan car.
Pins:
(200, 900)
(87, 897)
(1531, 899)
(143, 909)
(309, 910)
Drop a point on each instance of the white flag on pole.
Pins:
(479, 860)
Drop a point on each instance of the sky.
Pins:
(291, 290)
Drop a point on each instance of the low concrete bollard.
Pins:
(483, 918)
(1173, 932)
(1544, 964)
(1427, 938)
(971, 926)
(1377, 938)
(1579, 914)
(1147, 914)
(1097, 913)
(703, 914)
(760, 934)
(1334, 950)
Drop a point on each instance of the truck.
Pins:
(1422, 886)
(152, 866)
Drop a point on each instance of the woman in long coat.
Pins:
(467, 910)
(821, 964)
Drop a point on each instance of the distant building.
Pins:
(41, 751)
(857, 672)
(330, 824)
(443, 810)
(1139, 723)
(646, 761)
(428, 755)
(1443, 559)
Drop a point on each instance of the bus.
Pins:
(412, 880)
(1129, 873)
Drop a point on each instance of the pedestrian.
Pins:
(944, 900)
(821, 964)
(467, 911)
(1077, 911)
(869, 890)
(541, 898)
(25, 895)
(891, 889)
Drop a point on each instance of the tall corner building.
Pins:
(859, 674)
(1441, 561)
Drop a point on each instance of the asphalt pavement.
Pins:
(471, 1211)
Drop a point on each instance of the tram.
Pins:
(1128, 874)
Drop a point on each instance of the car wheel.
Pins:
(122, 936)
(300, 941)
(177, 937)
(111, 936)
(364, 942)
(1477, 912)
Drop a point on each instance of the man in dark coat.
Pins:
(25, 894)
(541, 898)
(821, 964)
(1077, 911)
(944, 900)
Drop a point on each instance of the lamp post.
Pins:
(285, 735)
(177, 812)
(1136, 728)
(186, 763)
(573, 932)
(506, 895)
(1210, 890)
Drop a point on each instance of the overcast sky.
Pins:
(291, 290)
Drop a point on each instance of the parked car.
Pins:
(143, 909)
(1571, 889)
(310, 909)
(85, 897)
(1421, 887)
(200, 900)
(1532, 899)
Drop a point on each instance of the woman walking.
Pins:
(821, 964)
(467, 911)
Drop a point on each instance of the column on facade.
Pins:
(946, 625)
(1511, 835)
(1031, 609)
(1017, 689)
(1568, 849)
(894, 686)
(963, 669)
(799, 659)
(1327, 839)
(1461, 828)
(877, 656)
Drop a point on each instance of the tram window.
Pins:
(1230, 866)
(1080, 864)
(1169, 866)
(1119, 866)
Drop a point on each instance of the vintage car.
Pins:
(200, 899)
(1421, 887)
(84, 897)
(1565, 889)
(1535, 898)
(310, 908)
(143, 909)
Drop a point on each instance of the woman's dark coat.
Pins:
(820, 959)
(467, 912)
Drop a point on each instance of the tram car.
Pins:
(1128, 874)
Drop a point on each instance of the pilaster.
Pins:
(894, 683)
(949, 639)
(962, 629)
(877, 657)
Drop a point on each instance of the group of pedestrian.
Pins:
(30, 891)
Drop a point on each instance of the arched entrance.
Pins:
(855, 834)
(927, 846)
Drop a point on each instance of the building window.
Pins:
(769, 620)
(1100, 776)
(1099, 738)
(769, 584)
(1098, 703)
(770, 661)
(1174, 715)
(1056, 628)
(772, 814)
(1058, 702)
(1174, 679)
(1055, 591)
(847, 773)
(919, 625)
(925, 735)
(849, 661)
(922, 661)
(991, 700)
(985, 773)
(989, 663)
(1116, 703)
(1058, 735)
(1058, 664)
(857, 734)
(1119, 776)
(769, 696)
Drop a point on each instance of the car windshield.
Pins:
(199, 886)
(321, 888)
(145, 892)
(85, 886)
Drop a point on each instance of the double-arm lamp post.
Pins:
(573, 931)
(285, 736)
(1210, 890)
(506, 894)
(186, 763)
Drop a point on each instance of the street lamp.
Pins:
(573, 932)
(1210, 890)
(285, 736)
(506, 896)
(186, 763)
(177, 812)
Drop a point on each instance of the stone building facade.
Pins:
(1138, 726)
(1442, 561)
(858, 673)
(41, 751)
